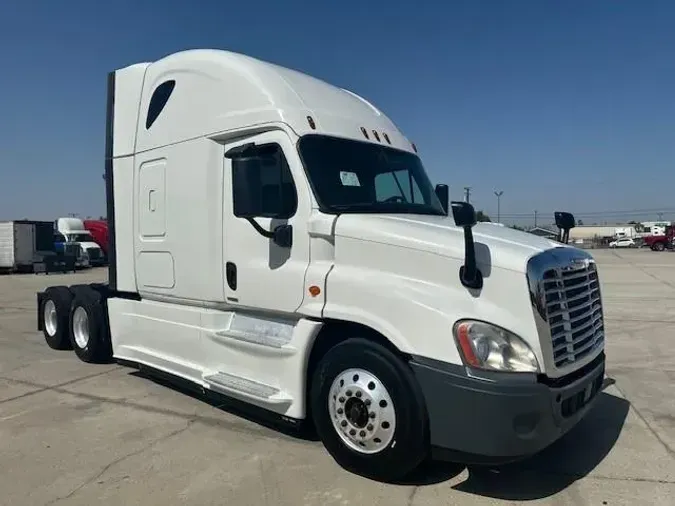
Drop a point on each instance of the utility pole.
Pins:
(467, 193)
(535, 218)
(499, 210)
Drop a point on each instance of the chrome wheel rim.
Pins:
(50, 319)
(81, 327)
(362, 411)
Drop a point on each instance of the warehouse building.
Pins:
(602, 231)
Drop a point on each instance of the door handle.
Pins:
(231, 275)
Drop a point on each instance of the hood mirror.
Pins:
(465, 217)
(564, 221)
(464, 214)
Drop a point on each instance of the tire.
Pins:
(55, 308)
(395, 446)
(89, 335)
(659, 246)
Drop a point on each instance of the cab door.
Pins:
(266, 205)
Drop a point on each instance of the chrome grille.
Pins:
(565, 291)
(574, 311)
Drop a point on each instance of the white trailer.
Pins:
(276, 239)
(24, 243)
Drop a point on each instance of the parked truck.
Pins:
(99, 232)
(276, 239)
(23, 243)
(74, 232)
(661, 242)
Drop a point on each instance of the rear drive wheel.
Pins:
(55, 307)
(369, 411)
(89, 334)
(658, 246)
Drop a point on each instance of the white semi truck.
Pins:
(74, 232)
(276, 240)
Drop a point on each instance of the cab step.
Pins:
(232, 384)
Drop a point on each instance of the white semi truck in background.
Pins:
(276, 240)
(73, 231)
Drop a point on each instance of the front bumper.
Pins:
(504, 417)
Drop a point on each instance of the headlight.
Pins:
(487, 346)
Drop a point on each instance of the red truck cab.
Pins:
(661, 242)
(99, 231)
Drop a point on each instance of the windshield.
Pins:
(79, 237)
(359, 177)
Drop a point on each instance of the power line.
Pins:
(657, 211)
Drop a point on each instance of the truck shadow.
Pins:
(554, 469)
(253, 414)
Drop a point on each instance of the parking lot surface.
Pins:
(78, 434)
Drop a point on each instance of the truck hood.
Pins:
(496, 246)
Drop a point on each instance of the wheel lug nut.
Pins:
(359, 394)
(340, 411)
(372, 414)
(370, 426)
(352, 432)
(343, 423)
(367, 401)
(349, 393)
(362, 433)
(342, 399)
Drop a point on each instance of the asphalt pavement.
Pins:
(78, 434)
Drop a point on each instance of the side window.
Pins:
(58, 237)
(159, 99)
(262, 184)
(399, 183)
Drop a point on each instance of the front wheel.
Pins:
(369, 411)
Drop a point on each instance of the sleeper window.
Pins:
(159, 99)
